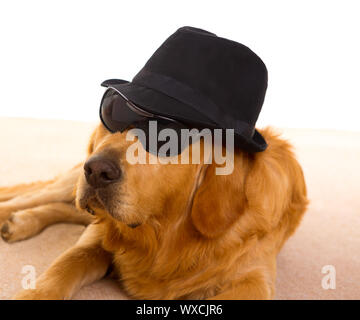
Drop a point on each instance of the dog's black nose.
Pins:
(100, 172)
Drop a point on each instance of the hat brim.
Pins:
(163, 105)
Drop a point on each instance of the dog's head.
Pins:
(133, 194)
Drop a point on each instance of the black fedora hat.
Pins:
(200, 78)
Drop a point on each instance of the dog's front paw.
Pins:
(37, 294)
(20, 225)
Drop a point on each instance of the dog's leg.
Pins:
(61, 189)
(82, 264)
(26, 223)
(7, 193)
(252, 287)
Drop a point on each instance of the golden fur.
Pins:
(199, 235)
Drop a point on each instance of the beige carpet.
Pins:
(329, 235)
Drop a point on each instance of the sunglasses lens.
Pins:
(161, 137)
(115, 113)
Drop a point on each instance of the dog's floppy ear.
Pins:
(265, 189)
(218, 203)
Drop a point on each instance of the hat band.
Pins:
(189, 96)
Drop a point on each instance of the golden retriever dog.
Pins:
(168, 231)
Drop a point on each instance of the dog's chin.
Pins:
(120, 216)
(93, 203)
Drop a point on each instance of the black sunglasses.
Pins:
(118, 113)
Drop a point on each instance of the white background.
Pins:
(54, 54)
